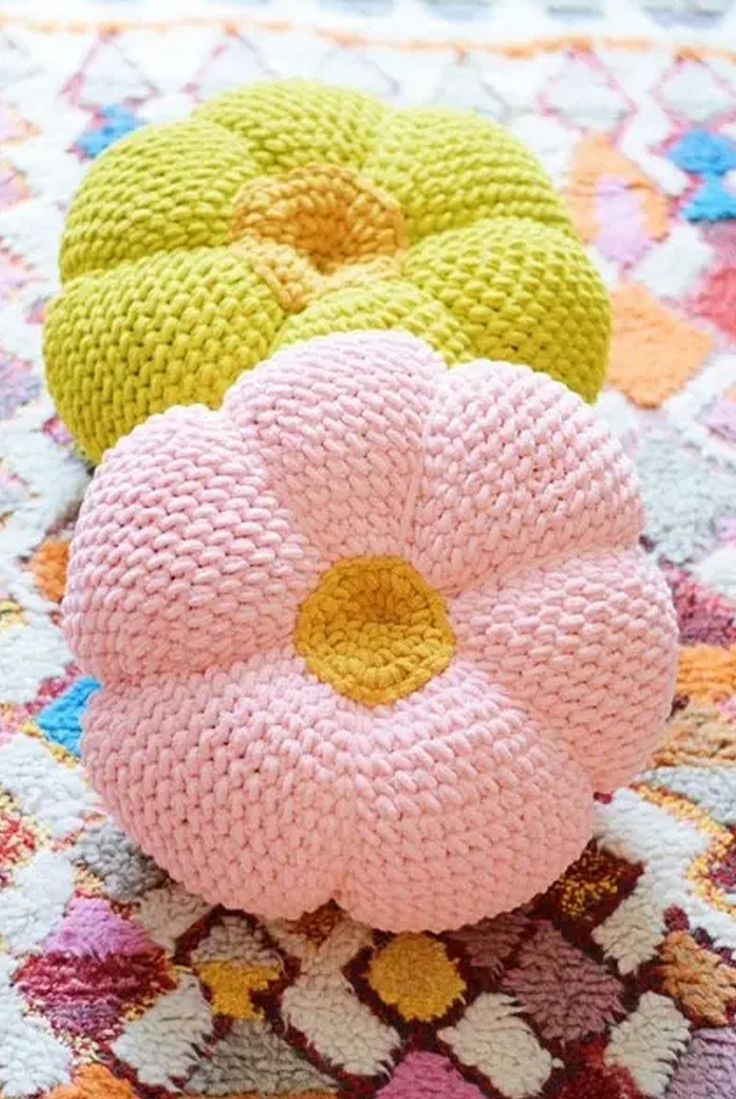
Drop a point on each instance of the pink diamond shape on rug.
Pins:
(708, 1068)
(17, 382)
(568, 995)
(13, 126)
(13, 187)
(15, 275)
(622, 236)
(717, 299)
(92, 929)
(428, 1076)
(94, 970)
(490, 943)
(722, 419)
(704, 616)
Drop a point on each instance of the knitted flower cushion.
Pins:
(288, 210)
(373, 631)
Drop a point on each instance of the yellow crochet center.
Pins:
(283, 211)
(374, 630)
(317, 229)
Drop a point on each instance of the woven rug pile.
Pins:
(620, 982)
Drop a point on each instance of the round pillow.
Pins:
(288, 210)
(374, 631)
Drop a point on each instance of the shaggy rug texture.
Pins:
(620, 982)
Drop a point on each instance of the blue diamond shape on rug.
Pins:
(60, 720)
(711, 156)
(110, 124)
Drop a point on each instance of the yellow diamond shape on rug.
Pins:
(413, 974)
(232, 986)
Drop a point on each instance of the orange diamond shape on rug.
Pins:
(707, 673)
(701, 980)
(653, 351)
(94, 1082)
(49, 564)
(698, 736)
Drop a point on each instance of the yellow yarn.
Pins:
(414, 975)
(286, 210)
(374, 630)
(316, 229)
(232, 985)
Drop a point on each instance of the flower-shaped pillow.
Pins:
(287, 210)
(375, 631)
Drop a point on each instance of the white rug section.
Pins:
(705, 22)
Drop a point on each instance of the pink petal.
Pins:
(588, 647)
(231, 780)
(182, 557)
(463, 808)
(517, 468)
(339, 424)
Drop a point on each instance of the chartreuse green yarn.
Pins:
(288, 210)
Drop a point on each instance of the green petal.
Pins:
(177, 328)
(448, 169)
(290, 123)
(391, 304)
(162, 188)
(523, 293)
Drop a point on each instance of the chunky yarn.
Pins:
(374, 631)
(289, 210)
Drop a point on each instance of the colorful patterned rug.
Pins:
(620, 982)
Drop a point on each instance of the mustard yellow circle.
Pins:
(374, 630)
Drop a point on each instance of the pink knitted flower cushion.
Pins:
(376, 631)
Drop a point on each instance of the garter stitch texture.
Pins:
(288, 210)
(374, 631)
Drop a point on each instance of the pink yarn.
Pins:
(259, 786)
